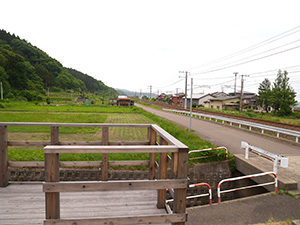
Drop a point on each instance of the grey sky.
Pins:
(134, 44)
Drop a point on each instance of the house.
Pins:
(227, 102)
(200, 99)
(144, 97)
(161, 98)
(177, 99)
(124, 101)
(250, 100)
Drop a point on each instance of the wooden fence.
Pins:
(159, 142)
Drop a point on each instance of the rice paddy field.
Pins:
(30, 112)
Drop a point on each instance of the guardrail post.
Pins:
(3, 157)
(181, 173)
(104, 164)
(52, 175)
(162, 174)
(152, 156)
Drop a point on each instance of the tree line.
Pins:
(280, 96)
(27, 71)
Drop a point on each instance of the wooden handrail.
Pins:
(110, 149)
(167, 144)
(122, 185)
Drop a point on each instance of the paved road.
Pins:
(231, 137)
(222, 135)
(253, 210)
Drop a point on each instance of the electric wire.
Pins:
(259, 53)
(253, 60)
(263, 43)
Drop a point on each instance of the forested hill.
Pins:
(92, 84)
(25, 69)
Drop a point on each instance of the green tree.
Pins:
(283, 95)
(264, 94)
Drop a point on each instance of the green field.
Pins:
(30, 112)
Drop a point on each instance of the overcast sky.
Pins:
(137, 44)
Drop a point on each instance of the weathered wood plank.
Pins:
(180, 194)
(104, 165)
(45, 143)
(152, 156)
(72, 124)
(78, 163)
(3, 157)
(28, 143)
(52, 176)
(113, 185)
(54, 135)
(155, 219)
(168, 137)
(162, 174)
(24, 204)
(110, 149)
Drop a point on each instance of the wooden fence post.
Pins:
(162, 174)
(152, 156)
(180, 194)
(104, 164)
(54, 136)
(52, 175)
(3, 157)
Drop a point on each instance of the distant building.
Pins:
(143, 97)
(201, 99)
(177, 99)
(124, 101)
(228, 102)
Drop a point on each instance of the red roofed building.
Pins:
(124, 101)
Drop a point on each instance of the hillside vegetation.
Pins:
(26, 71)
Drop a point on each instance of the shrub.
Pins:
(31, 95)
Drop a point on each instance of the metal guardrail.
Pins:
(209, 149)
(251, 125)
(195, 196)
(276, 158)
(275, 182)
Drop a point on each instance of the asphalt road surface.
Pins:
(253, 210)
(231, 137)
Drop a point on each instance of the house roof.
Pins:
(223, 98)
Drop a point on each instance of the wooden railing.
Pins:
(159, 142)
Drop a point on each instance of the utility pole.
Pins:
(191, 104)
(242, 89)
(1, 92)
(235, 74)
(150, 92)
(185, 93)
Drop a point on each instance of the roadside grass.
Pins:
(272, 221)
(292, 119)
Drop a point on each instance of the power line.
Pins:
(260, 53)
(253, 60)
(169, 84)
(263, 43)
